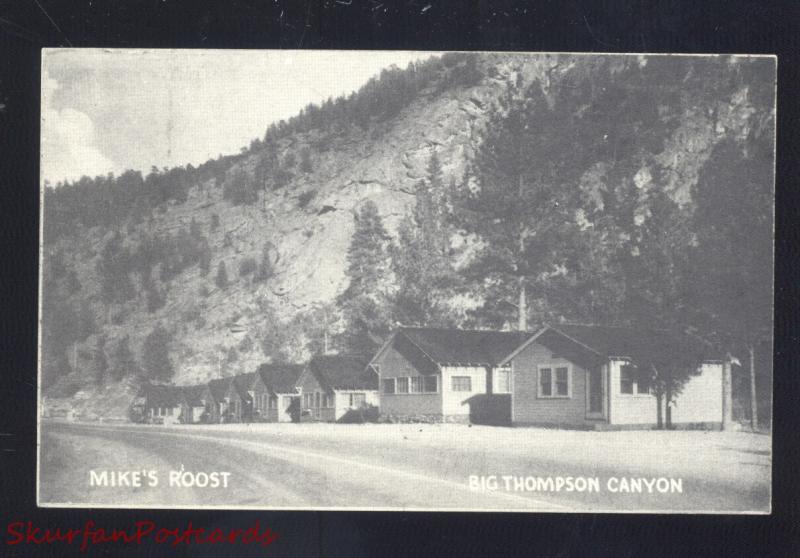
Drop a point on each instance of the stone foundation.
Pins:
(426, 418)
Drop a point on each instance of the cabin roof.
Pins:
(280, 377)
(625, 342)
(348, 371)
(462, 346)
(194, 394)
(219, 388)
(162, 395)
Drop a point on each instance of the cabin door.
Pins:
(596, 392)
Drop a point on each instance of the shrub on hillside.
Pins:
(247, 266)
(305, 198)
(221, 279)
(305, 160)
(238, 189)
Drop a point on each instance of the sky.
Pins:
(107, 110)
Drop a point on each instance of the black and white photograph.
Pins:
(406, 281)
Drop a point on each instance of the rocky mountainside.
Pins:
(307, 224)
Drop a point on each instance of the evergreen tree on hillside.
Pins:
(239, 189)
(58, 333)
(155, 355)
(265, 268)
(100, 361)
(205, 258)
(365, 303)
(123, 363)
(221, 279)
(305, 160)
(113, 266)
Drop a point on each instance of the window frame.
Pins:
(455, 377)
(400, 380)
(436, 381)
(635, 375)
(553, 368)
(394, 386)
(353, 396)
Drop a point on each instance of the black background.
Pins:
(600, 26)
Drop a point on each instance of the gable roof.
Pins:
(219, 388)
(162, 395)
(343, 372)
(280, 377)
(462, 346)
(615, 341)
(243, 383)
(194, 394)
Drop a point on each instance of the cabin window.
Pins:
(461, 383)
(316, 399)
(555, 381)
(633, 380)
(388, 385)
(416, 384)
(402, 385)
(545, 382)
(643, 382)
(626, 379)
(562, 381)
(357, 400)
(430, 384)
(502, 381)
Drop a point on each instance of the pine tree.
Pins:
(221, 279)
(420, 257)
(100, 361)
(305, 160)
(265, 267)
(733, 260)
(365, 302)
(123, 361)
(205, 258)
(113, 267)
(155, 355)
(517, 205)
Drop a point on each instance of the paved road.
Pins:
(279, 469)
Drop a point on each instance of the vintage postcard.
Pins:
(355, 280)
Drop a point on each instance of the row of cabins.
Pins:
(325, 389)
(565, 375)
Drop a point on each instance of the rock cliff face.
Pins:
(309, 239)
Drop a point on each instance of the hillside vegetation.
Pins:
(453, 192)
